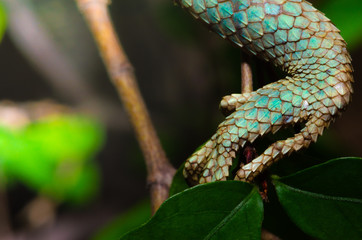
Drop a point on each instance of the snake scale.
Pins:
(302, 41)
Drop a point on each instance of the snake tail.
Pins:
(302, 41)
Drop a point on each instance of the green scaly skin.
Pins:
(296, 37)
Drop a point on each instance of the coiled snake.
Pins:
(302, 41)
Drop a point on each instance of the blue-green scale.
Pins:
(240, 19)
(287, 108)
(253, 126)
(293, 9)
(228, 26)
(255, 13)
(285, 22)
(275, 104)
(199, 6)
(281, 36)
(251, 114)
(255, 30)
(272, 9)
(213, 15)
(263, 115)
(240, 4)
(225, 9)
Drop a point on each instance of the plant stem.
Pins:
(120, 70)
(246, 78)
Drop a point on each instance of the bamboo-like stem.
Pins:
(160, 171)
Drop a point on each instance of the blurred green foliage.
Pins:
(3, 20)
(126, 222)
(346, 15)
(52, 156)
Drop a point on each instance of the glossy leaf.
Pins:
(219, 210)
(277, 221)
(325, 200)
(179, 182)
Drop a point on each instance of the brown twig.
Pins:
(246, 78)
(160, 171)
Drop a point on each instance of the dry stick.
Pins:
(160, 171)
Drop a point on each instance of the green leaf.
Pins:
(325, 200)
(338, 177)
(179, 182)
(3, 20)
(277, 221)
(219, 210)
(128, 221)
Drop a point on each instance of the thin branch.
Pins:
(160, 171)
(246, 78)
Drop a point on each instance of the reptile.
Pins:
(302, 41)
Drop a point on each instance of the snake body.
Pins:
(292, 35)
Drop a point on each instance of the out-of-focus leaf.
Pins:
(52, 156)
(346, 15)
(219, 210)
(325, 200)
(176, 22)
(126, 222)
(3, 20)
